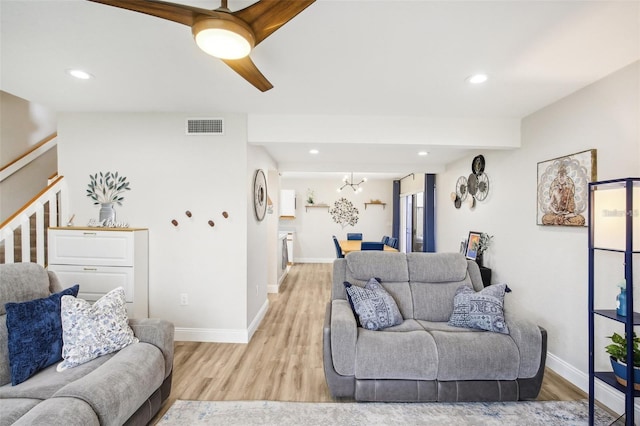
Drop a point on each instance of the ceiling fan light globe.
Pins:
(223, 39)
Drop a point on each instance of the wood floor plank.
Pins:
(283, 360)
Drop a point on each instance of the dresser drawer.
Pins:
(89, 247)
(96, 281)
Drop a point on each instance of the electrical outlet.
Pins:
(184, 299)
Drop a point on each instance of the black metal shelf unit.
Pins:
(611, 208)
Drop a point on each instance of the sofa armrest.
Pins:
(528, 338)
(344, 333)
(157, 332)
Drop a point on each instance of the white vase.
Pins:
(107, 213)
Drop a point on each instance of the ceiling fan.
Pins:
(222, 33)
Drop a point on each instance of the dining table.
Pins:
(348, 246)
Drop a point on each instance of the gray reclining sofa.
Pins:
(125, 387)
(424, 358)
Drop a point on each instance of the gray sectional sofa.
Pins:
(424, 358)
(125, 387)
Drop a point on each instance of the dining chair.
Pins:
(393, 242)
(338, 248)
(385, 240)
(354, 236)
(371, 245)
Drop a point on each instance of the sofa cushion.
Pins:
(60, 412)
(14, 408)
(434, 278)
(90, 331)
(476, 356)
(47, 382)
(390, 268)
(21, 282)
(117, 388)
(436, 267)
(35, 334)
(396, 355)
(482, 310)
(375, 308)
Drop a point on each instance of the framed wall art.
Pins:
(563, 189)
(473, 243)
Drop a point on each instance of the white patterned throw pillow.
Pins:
(375, 307)
(90, 331)
(483, 310)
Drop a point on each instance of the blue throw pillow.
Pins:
(374, 306)
(35, 334)
(482, 310)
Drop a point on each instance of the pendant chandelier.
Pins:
(350, 182)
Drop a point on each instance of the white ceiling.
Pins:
(338, 57)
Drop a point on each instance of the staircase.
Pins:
(23, 235)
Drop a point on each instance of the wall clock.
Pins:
(259, 194)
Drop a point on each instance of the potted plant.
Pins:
(106, 189)
(310, 196)
(618, 356)
(481, 246)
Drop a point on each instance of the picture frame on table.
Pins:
(473, 242)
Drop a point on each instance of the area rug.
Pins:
(564, 413)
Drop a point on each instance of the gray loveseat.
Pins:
(424, 358)
(126, 387)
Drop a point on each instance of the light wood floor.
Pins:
(283, 360)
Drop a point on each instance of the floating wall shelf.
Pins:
(375, 204)
(315, 206)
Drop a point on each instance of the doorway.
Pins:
(412, 239)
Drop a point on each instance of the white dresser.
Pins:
(101, 259)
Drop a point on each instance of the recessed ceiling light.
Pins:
(477, 78)
(80, 74)
(314, 151)
(423, 153)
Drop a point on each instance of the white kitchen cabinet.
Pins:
(287, 204)
(101, 259)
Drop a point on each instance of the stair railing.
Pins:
(55, 196)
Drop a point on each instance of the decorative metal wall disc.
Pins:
(483, 187)
(472, 183)
(477, 165)
(461, 188)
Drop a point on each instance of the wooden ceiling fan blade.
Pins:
(266, 16)
(248, 70)
(179, 13)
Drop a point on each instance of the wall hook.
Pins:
(211, 224)
(225, 214)
(188, 213)
(174, 222)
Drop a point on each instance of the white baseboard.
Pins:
(604, 393)
(258, 319)
(215, 335)
(314, 260)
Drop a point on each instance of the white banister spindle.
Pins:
(8, 246)
(53, 209)
(40, 234)
(25, 235)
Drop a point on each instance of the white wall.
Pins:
(547, 266)
(171, 173)
(315, 227)
(261, 240)
(23, 124)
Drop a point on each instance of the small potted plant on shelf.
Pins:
(618, 356)
(310, 196)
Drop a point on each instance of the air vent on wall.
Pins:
(205, 126)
